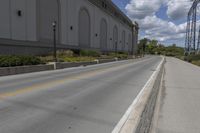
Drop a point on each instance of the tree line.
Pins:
(147, 46)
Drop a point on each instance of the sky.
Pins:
(163, 20)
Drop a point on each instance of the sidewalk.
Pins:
(180, 104)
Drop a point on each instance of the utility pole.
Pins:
(198, 44)
(116, 48)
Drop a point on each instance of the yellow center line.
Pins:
(29, 80)
(58, 82)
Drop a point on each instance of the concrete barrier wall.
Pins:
(24, 69)
(139, 115)
(76, 64)
(145, 123)
(107, 60)
(37, 68)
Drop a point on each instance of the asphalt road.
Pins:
(180, 104)
(88, 99)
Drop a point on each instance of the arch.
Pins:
(48, 13)
(115, 38)
(123, 40)
(84, 28)
(103, 35)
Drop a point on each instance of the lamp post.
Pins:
(116, 48)
(54, 41)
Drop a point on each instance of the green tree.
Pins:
(152, 47)
(142, 46)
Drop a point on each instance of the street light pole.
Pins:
(116, 48)
(54, 41)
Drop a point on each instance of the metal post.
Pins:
(54, 41)
(191, 38)
(198, 44)
(195, 18)
(187, 35)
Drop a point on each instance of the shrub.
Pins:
(65, 53)
(11, 60)
(121, 55)
(78, 59)
(191, 58)
(196, 63)
(170, 54)
(112, 54)
(90, 53)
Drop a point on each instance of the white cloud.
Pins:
(141, 8)
(144, 12)
(161, 30)
(178, 9)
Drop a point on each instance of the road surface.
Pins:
(180, 105)
(88, 99)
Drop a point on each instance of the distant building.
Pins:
(26, 26)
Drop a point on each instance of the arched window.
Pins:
(84, 28)
(103, 35)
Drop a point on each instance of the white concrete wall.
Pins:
(26, 27)
(5, 19)
(21, 27)
(96, 14)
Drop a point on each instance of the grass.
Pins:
(83, 56)
(196, 62)
(67, 59)
(194, 59)
(63, 56)
(78, 59)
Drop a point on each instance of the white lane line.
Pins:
(125, 117)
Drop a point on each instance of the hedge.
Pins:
(90, 53)
(13, 60)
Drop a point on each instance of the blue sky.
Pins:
(163, 20)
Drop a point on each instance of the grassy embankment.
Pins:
(194, 59)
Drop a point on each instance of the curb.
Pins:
(154, 121)
(134, 119)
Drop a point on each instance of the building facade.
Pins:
(26, 26)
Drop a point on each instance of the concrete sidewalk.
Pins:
(180, 104)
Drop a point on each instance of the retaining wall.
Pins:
(24, 69)
(37, 68)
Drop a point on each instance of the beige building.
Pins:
(26, 26)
